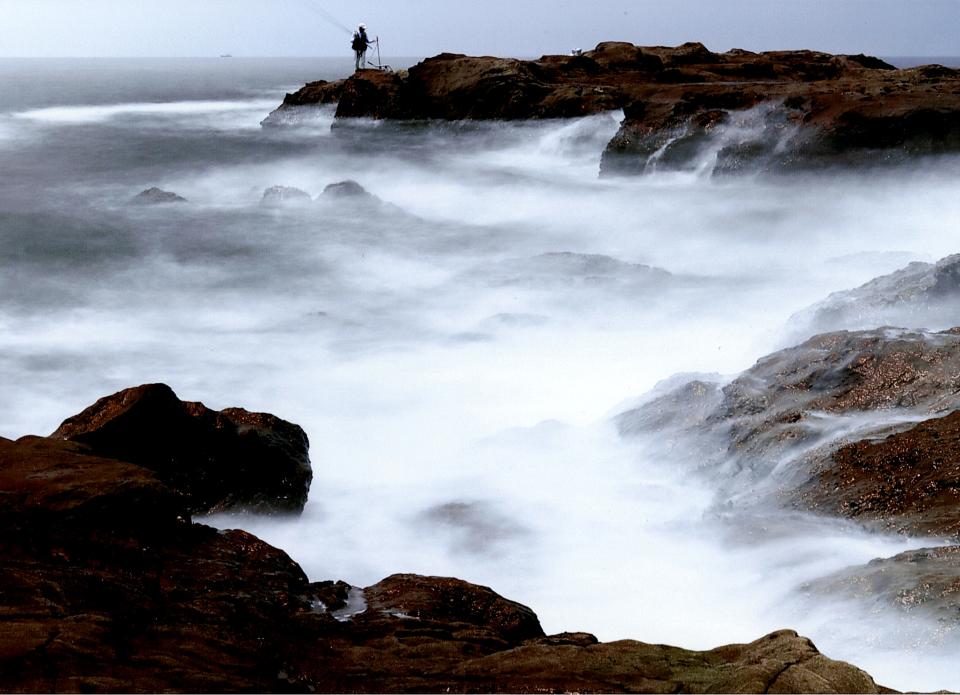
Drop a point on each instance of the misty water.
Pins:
(457, 349)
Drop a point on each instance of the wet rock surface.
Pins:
(803, 427)
(228, 459)
(925, 581)
(920, 295)
(685, 107)
(107, 586)
(908, 481)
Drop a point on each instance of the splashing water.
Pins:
(456, 351)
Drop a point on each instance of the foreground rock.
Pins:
(685, 107)
(107, 586)
(220, 460)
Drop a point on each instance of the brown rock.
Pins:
(105, 586)
(925, 581)
(780, 662)
(908, 481)
(217, 459)
(446, 600)
(817, 109)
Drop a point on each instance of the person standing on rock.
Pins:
(359, 45)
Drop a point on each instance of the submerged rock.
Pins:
(156, 196)
(921, 295)
(925, 581)
(282, 196)
(229, 459)
(564, 268)
(347, 189)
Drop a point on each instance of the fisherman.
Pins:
(359, 45)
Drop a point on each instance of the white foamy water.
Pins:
(456, 354)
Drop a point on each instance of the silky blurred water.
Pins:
(456, 349)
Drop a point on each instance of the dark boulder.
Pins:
(229, 459)
(49, 484)
(107, 586)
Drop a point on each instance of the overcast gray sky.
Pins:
(500, 27)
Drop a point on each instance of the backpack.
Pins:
(359, 42)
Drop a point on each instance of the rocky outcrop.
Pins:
(156, 196)
(229, 459)
(107, 586)
(775, 432)
(298, 106)
(685, 107)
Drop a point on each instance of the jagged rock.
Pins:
(298, 106)
(218, 459)
(281, 196)
(772, 432)
(156, 196)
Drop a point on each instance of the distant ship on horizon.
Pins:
(226, 55)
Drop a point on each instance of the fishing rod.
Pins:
(318, 9)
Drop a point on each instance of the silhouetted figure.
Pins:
(359, 45)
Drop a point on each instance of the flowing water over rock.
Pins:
(458, 344)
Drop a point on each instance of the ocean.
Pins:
(457, 351)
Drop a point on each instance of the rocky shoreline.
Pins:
(109, 586)
(684, 107)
